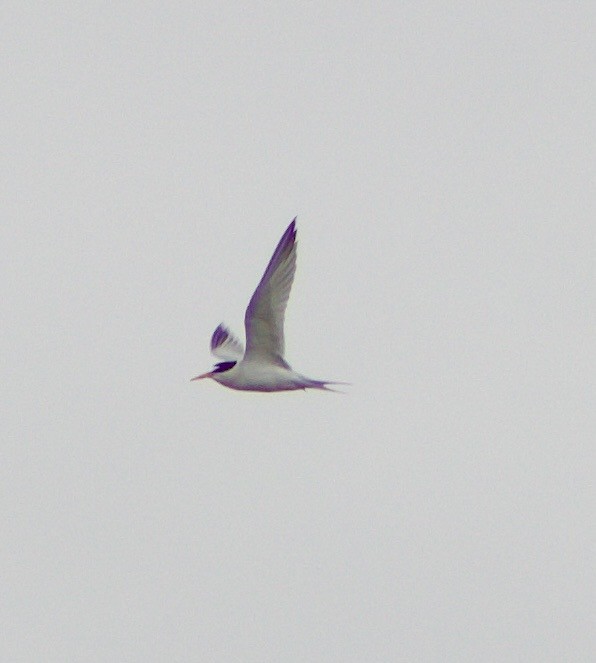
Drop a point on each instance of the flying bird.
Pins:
(262, 367)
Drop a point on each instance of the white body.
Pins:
(258, 376)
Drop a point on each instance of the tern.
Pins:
(262, 367)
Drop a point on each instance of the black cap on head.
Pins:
(224, 366)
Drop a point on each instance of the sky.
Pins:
(439, 157)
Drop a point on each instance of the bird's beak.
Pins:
(204, 375)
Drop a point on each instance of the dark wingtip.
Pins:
(288, 238)
(217, 334)
(282, 250)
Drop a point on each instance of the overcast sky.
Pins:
(440, 159)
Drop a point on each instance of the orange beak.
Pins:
(204, 375)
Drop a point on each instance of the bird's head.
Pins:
(221, 367)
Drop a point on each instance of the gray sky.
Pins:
(440, 159)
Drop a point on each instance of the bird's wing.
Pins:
(264, 319)
(224, 345)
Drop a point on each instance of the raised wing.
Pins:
(264, 319)
(225, 346)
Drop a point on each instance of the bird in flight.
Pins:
(262, 367)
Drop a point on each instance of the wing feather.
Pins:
(224, 345)
(264, 319)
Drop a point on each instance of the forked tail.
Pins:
(322, 384)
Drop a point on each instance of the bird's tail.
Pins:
(323, 385)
